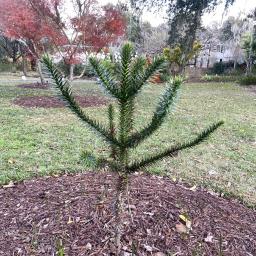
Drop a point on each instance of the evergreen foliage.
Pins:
(123, 85)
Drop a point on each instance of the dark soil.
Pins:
(77, 210)
(34, 86)
(54, 102)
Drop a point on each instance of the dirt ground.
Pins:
(54, 102)
(34, 86)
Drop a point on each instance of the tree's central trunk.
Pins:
(121, 188)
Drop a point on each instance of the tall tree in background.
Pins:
(11, 49)
(154, 38)
(184, 19)
(135, 30)
(231, 33)
(249, 46)
(133, 15)
(209, 37)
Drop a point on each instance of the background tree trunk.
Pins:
(71, 72)
(39, 69)
(82, 74)
(24, 66)
(14, 65)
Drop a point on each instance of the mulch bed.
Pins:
(34, 86)
(54, 102)
(78, 210)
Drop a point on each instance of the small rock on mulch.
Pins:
(54, 102)
(162, 218)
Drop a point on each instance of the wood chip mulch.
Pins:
(77, 211)
(34, 86)
(55, 102)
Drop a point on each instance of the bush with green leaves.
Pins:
(248, 80)
(219, 78)
(124, 84)
(218, 68)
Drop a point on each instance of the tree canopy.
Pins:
(184, 18)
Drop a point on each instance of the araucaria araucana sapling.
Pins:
(124, 83)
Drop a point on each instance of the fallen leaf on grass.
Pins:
(193, 188)
(11, 161)
(10, 185)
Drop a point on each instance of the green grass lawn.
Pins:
(36, 142)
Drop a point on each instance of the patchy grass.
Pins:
(36, 142)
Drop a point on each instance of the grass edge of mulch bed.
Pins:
(213, 190)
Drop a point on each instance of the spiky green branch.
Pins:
(175, 149)
(144, 76)
(106, 77)
(67, 96)
(159, 115)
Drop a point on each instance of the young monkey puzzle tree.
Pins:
(124, 85)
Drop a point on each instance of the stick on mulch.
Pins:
(77, 211)
(54, 102)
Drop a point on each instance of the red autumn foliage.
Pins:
(101, 29)
(19, 20)
(98, 29)
(40, 22)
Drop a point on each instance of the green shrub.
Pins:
(227, 68)
(165, 74)
(218, 78)
(218, 68)
(89, 72)
(248, 80)
(6, 66)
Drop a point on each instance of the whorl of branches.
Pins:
(124, 87)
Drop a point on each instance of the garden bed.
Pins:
(77, 211)
(34, 86)
(54, 102)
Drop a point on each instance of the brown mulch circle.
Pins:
(34, 86)
(54, 102)
(77, 211)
